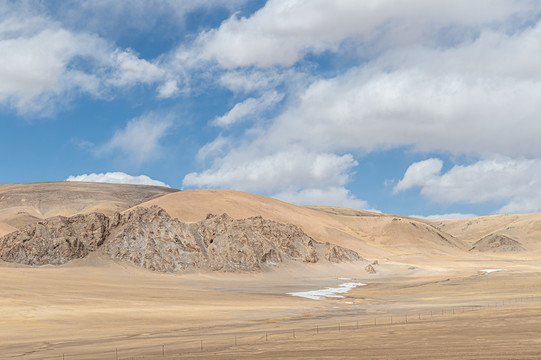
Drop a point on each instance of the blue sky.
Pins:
(410, 107)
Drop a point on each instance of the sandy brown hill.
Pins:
(150, 238)
(370, 234)
(525, 228)
(22, 204)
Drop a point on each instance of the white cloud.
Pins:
(129, 70)
(292, 175)
(250, 107)
(329, 196)
(112, 17)
(447, 76)
(168, 89)
(117, 178)
(247, 80)
(450, 216)
(44, 64)
(290, 169)
(514, 183)
(420, 173)
(282, 32)
(29, 82)
(140, 139)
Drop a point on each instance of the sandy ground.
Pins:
(95, 309)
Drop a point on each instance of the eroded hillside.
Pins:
(150, 238)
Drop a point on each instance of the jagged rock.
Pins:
(249, 244)
(150, 238)
(338, 254)
(56, 240)
(370, 269)
(375, 262)
(497, 243)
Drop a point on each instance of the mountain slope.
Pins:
(370, 234)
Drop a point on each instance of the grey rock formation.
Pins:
(497, 243)
(150, 238)
(56, 240)
(370, 269)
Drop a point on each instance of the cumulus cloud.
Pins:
(29, 82)
(450, 76)
(168, 89)
(140, 140)
(117, 178)
(281, 33)
(420, 173)
(330, 196)
(288, 169)
(249, 107)
(129, 69)
(293, 175)
(512, 183)
(113, 17)
(44, 64)
(450, 216)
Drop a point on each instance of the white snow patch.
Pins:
(488, 271)
(328, 292)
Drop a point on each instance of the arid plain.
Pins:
(429, 297)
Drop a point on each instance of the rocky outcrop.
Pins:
(370, 269)
(150, 238)
(497, 243)
(56, 240)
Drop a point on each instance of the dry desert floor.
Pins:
(98, 309)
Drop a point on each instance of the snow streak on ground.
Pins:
(331, 292)
(488, 271)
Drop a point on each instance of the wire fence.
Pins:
(235, 339)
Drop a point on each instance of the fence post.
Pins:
(201, 345)
(266, 336)
(235, 341)
(163, 350)
(357, 324)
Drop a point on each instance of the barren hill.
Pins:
(22, 204)
(150, 238)
(524, 228)
(370, 234)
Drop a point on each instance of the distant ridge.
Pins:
(23, 204)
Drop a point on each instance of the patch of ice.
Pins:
(488, 271)
(328, 292)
